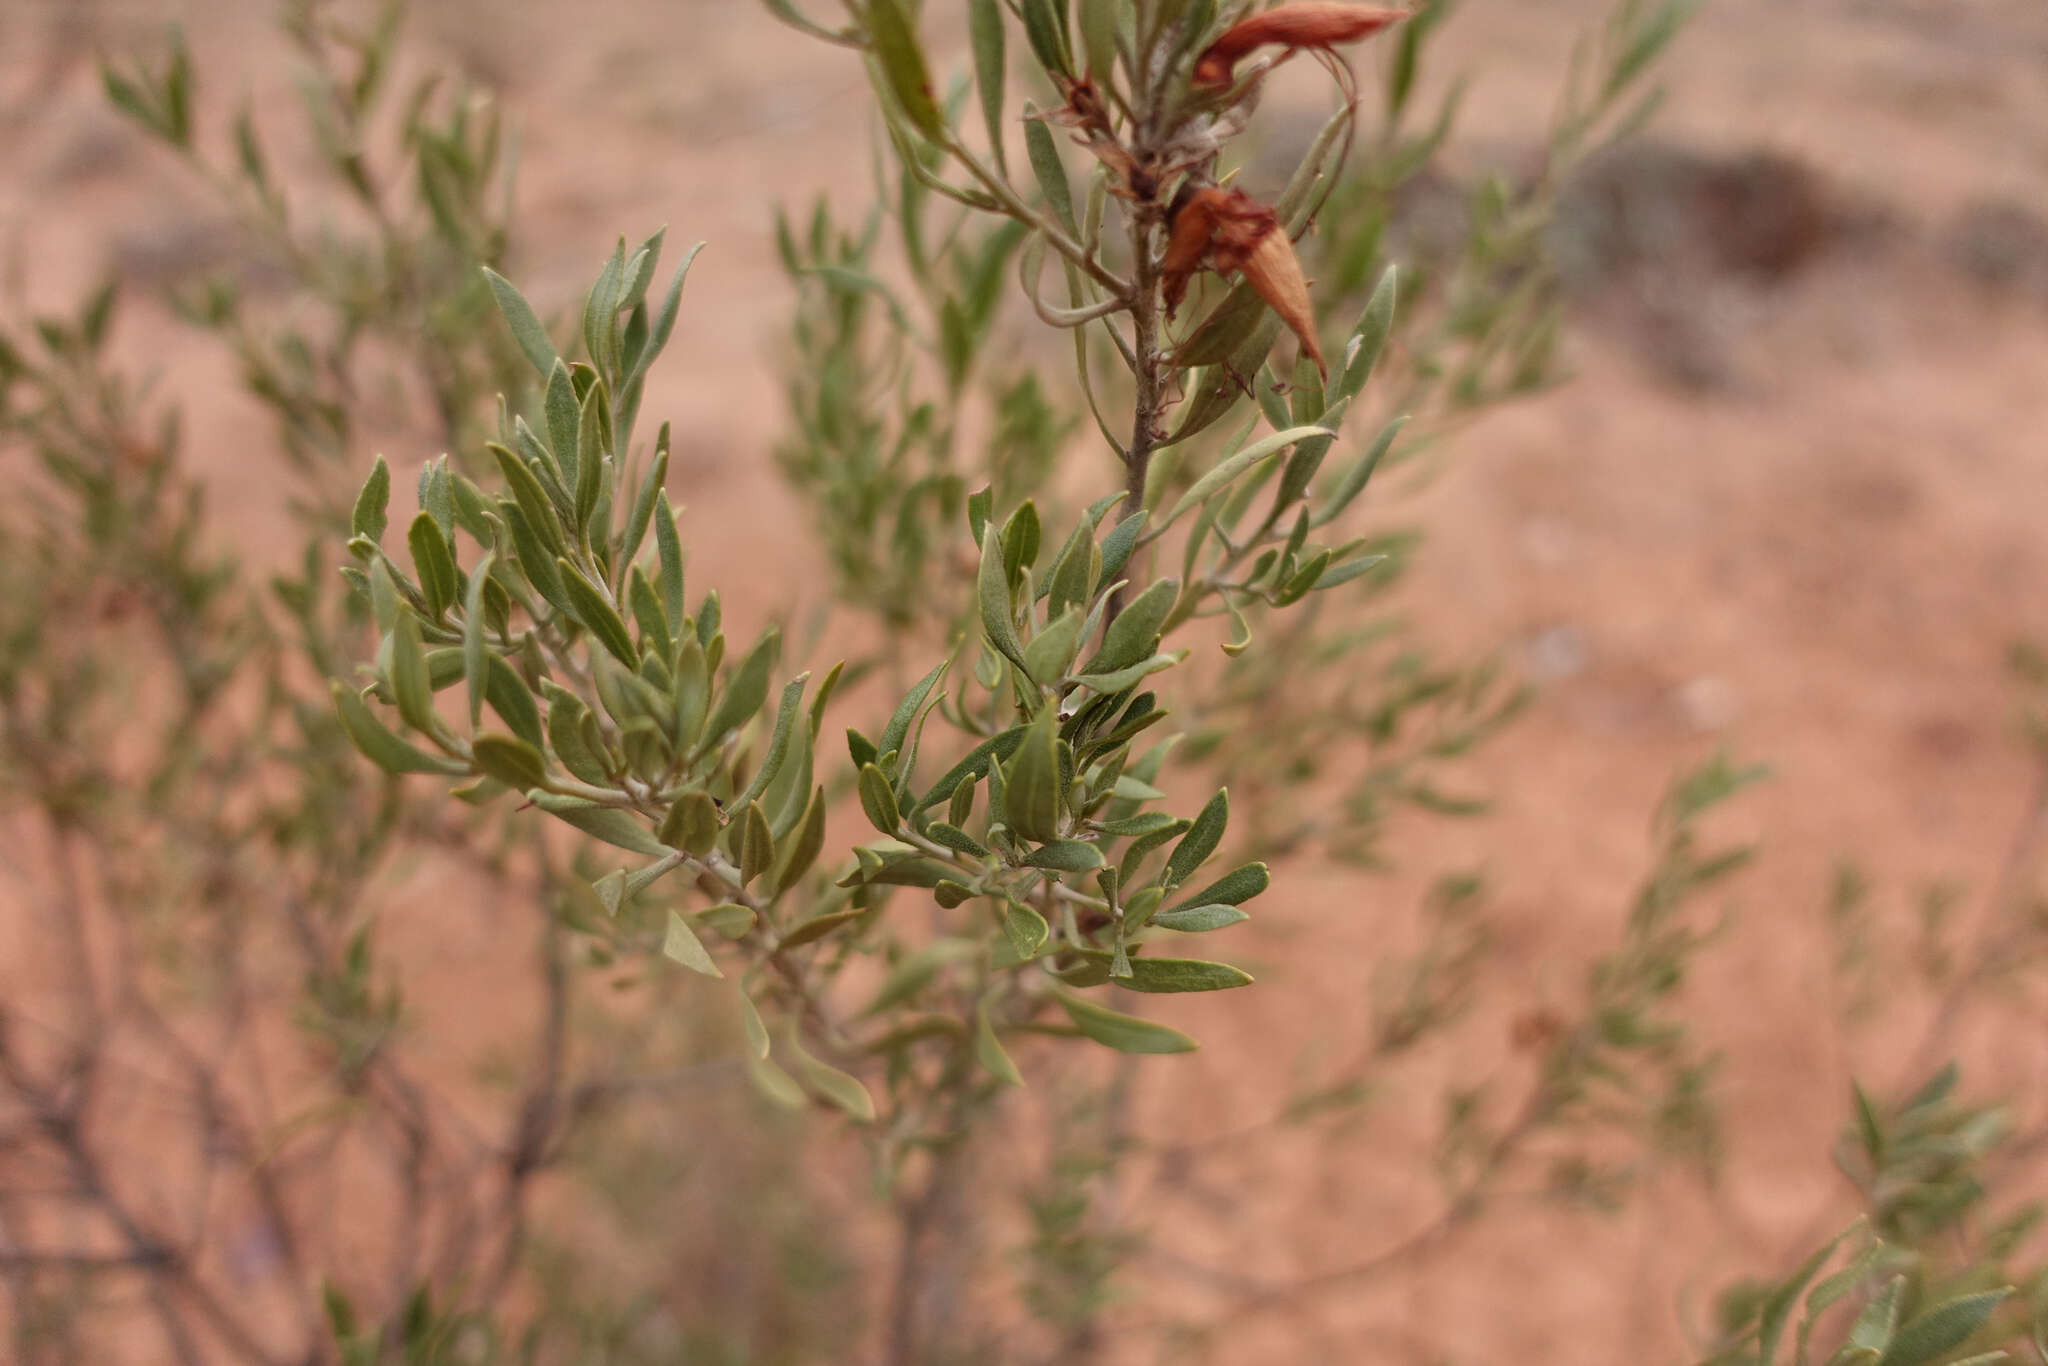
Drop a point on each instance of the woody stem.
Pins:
(1149, 367)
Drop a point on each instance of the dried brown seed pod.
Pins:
(1306, 23)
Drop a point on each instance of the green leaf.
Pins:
(412, 687)
(956, 839)
(1066, 856)
(1200, 841)
(525, 324)
(1234, 888)
(592, 440)
(751, 1028)
(691, 824)
(1360, 473)
(898, 729)
(745, 689)
(778, 742)
(1362, 351)
(1197, 919)
(973, 766)
(510, 760)
(379, 745)
(1033, 784)
(1117, 547)
(1162, 976)
(841, 1088)
(681, 944)
(994, 593)
(878, 800)
(985, 30)
(1777, 1307)
(533, 502)
(598, 616)
(436, 566)
(757, 843)
(1044, 27)
(774, 1083)
(475, 673)
(1051, 172)
(368, 518)
(1098, 37)
(818, 926)
(1026, 930)
(1134, 633)
(608, 823)
(988, 1050)
(896, 48)
(1943, 1328)
(1230, 468)
(1124, 1033)
(665, 319)
(1051, 651)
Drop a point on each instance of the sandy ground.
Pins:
(1818, 560)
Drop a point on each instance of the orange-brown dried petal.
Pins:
(1274, 271)
(1305, 23)
(1187, 245)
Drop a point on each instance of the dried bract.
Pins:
(1311, 24)
(1228, 230)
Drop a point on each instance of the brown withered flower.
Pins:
(1228, 230)
(1305, 23)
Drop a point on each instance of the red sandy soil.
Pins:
(1818, 561)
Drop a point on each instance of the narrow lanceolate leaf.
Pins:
(607, 823)
(681, 943)
(985, 29)
(1777, 1307)
(1065, 856)
(1131, 637)
(878, 800)
(382, 748)
(525, 325)
(801, 849)
(988, 1050)
(757, 844)
(1360, 474)
(1043, 26)
(1200, 841)
(1032, 783)
(532, 500)
(841, 1088)
(898, 729)
(1124, 1033)
(475, 674)
(368, 519)
(1197, 919)
(1050, 170)
(598, 616)
(1170, 975)
(1362, 352)
(670, 548)
(1942, 1329)
(1234, 888)
(902, 61)
(778, 742)
(1229, 469)
(994, 593)
(434, 564)
(412, 686)
(745, 690)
